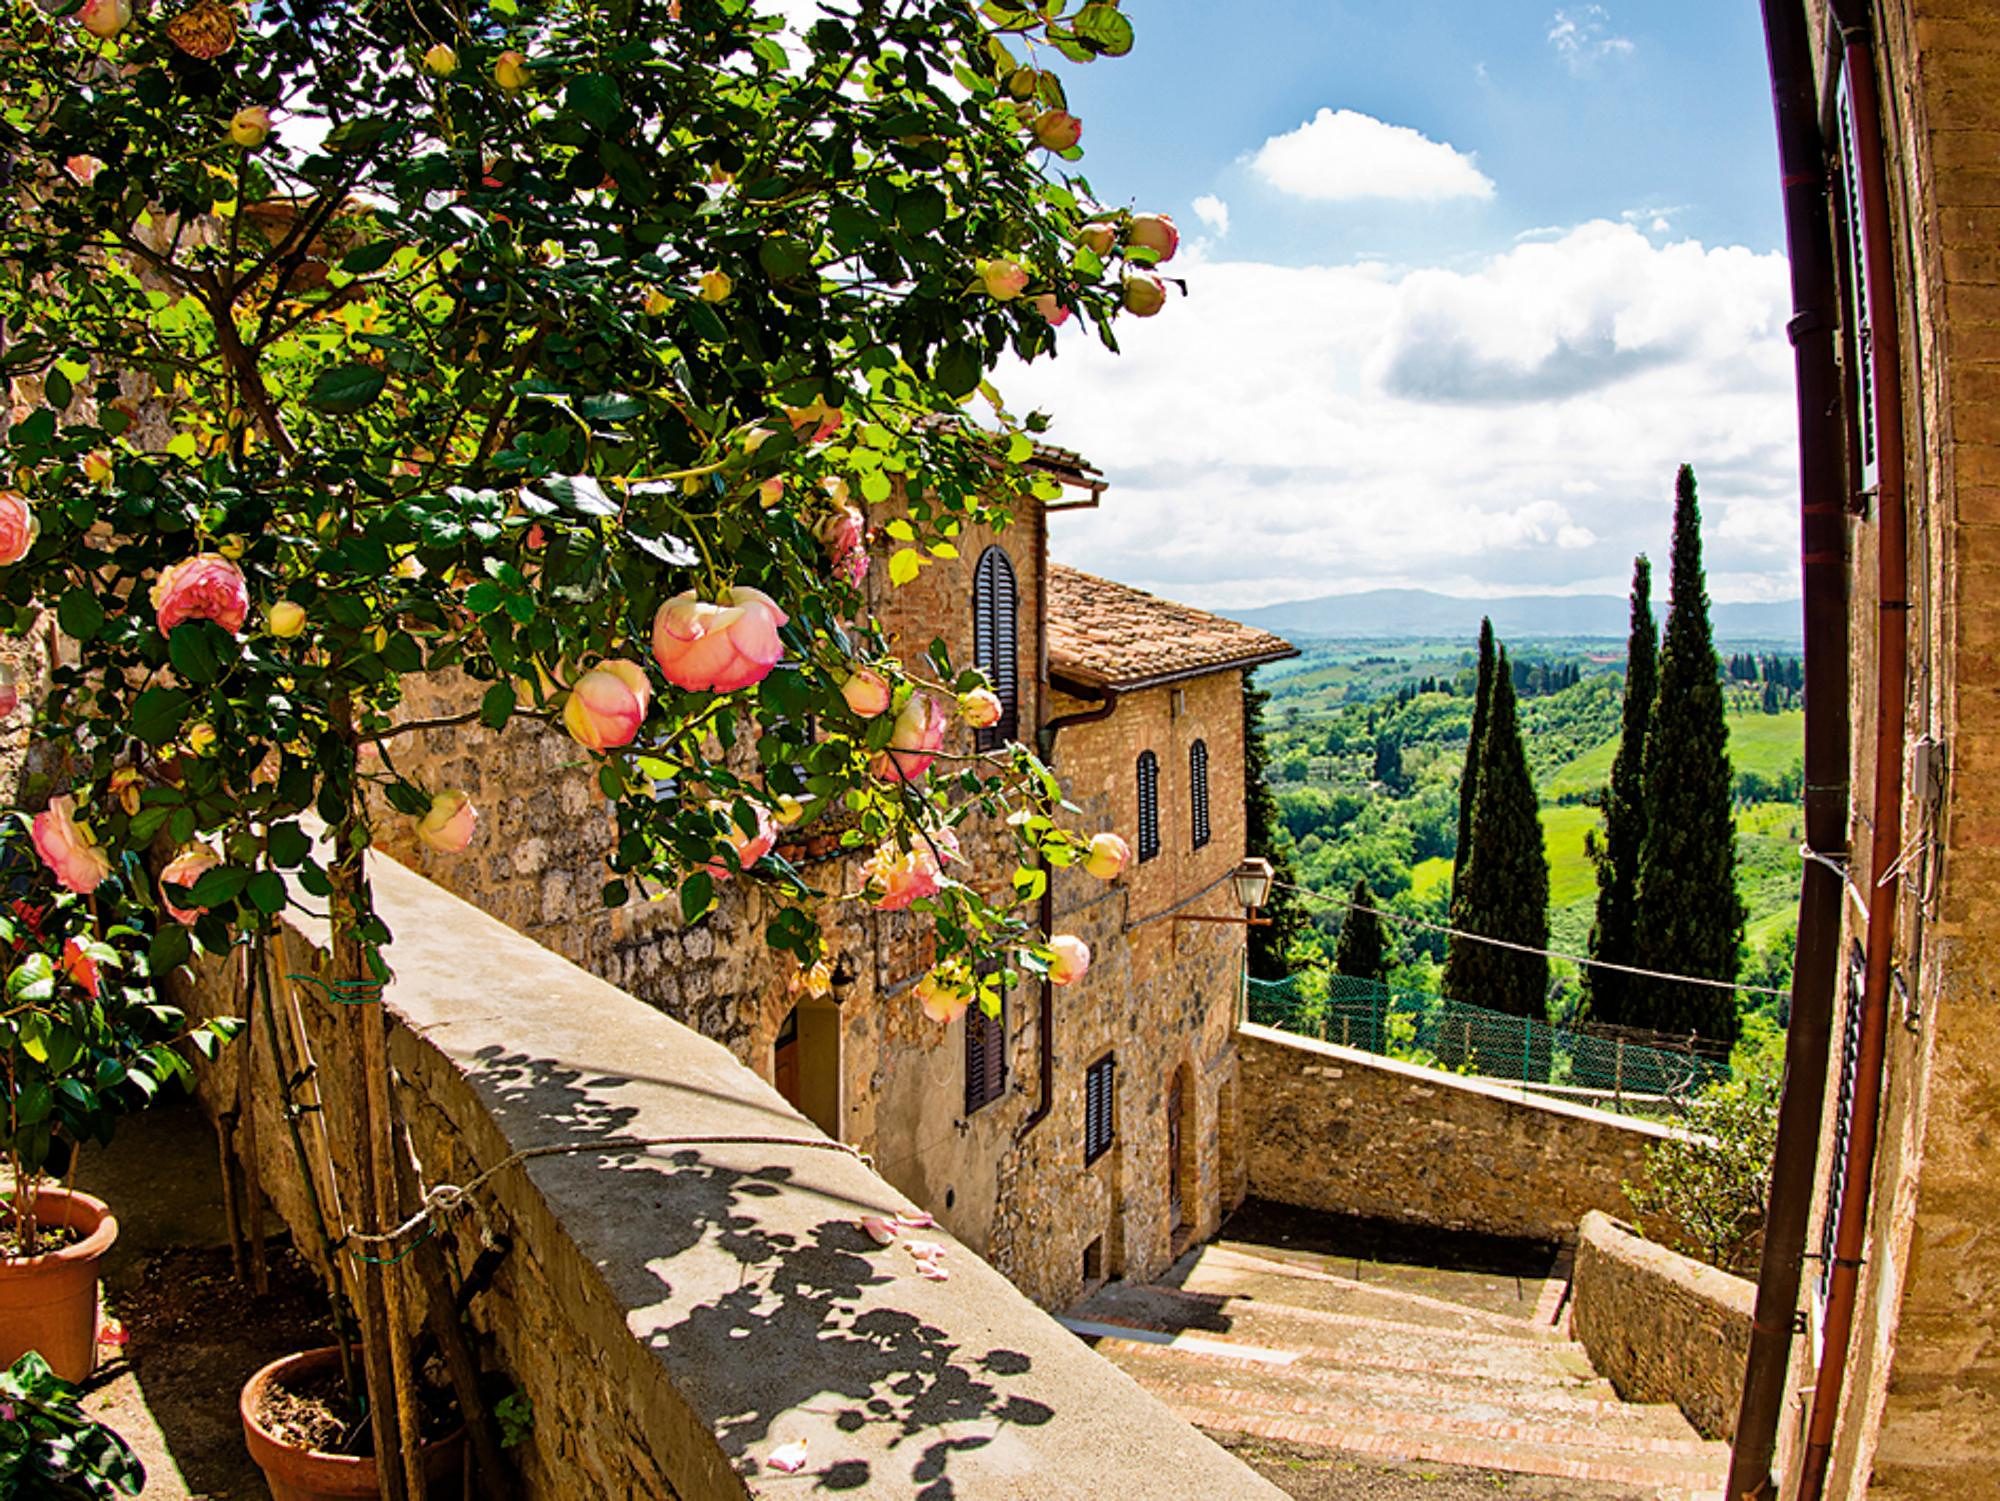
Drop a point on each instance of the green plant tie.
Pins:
(343, 992)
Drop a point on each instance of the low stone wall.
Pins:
(1338, 1129)
(1662, 1327)
(677, 1311)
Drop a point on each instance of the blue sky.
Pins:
(1465, 282)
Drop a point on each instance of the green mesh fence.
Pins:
(1473, 1040)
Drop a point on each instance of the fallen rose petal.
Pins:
(789, 1458)
(924, 1250)
(879, 1230)
(915, 1219)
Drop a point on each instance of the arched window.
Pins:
(995, 641)
(1198, 790)
(1149, 805)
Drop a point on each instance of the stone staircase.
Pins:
(1245, 1340)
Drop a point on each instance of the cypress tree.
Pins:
(1468, 780)
(1607, 994)
(1261, 836)
(1362, 952)
(1503, 886)
(1689, 918)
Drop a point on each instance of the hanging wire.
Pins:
(1523, 948)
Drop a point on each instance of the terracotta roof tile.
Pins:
(1108, 634)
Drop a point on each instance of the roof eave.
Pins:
(1094, 682)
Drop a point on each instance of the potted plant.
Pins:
(582, 353)
(50, 1450)
(84, 1038)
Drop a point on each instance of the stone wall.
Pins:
(1341, 1130)
(676, 1310)
(1660, 1326)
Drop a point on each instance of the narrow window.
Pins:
(1198, 790)
(985, 1055)
(995, 643)
(1099, 1083)
(1149, 805)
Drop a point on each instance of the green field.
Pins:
(1767, 744)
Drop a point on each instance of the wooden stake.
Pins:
(246, 1115)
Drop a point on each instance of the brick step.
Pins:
(1232, 1271)
(1459, 1408)
(1666, 1478)
(1351, 1340)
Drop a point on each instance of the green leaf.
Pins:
(784, 258)
(192, 645)
(408, 798)
(220, 884)
(697, 892)
(595, 97)
(169, 949)
(289, 844)
(496, 706)
(903, 565)
(347, 388)
(959, 370)
(484, 597)
(57, 390)
(1105, 28)
(267, 893)
(370, 257)
(157, 714)
(79, 614)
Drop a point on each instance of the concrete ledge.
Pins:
(1339, 1129)
(675, 1314)
(1660, 1326)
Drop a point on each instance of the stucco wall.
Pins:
(1660, 1326)
(675, 1312)
(1338, 1129)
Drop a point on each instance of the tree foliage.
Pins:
(1362, 952)
(1264, 835)
(1613, 936)
(1468, 782)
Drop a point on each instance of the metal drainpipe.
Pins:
(1886, 813)
(1045, 744)
(1823, 568)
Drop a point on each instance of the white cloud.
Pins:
(1342, 154)
(1289, 431)
(1583, 38)
(1213, 212)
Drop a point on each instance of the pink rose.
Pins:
(105, 18)
(608, 704)
(867, 692)
(1145, 294)
(18, 526)
(1051, 309)
(448, 826)
(944, 993)
(981, 708)
(845, 536)
(915, 742)
(1069, 958)
(749, 848)
(184, 870)
(1057, 129)
(67, 848)
(206, 586)
(719, 647)
(1154, 232)
(1108, 855)
(906, 876)
(1003, 279)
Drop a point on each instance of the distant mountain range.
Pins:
(1420, 614)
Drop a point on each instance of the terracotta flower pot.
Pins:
(296, 1474)
(48, 1303)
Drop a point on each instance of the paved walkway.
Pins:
(1370, 1358)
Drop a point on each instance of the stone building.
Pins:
(1085, 1133)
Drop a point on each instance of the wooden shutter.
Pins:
(985, 1056)
(1856, 313)
(996, 642)
(1198, 790)
(1149, 805)
(1843, 1114)
(1098, 1087)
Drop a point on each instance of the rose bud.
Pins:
(944, 993)
(105, 18)
(1154, 232)
(657, 302)
(184, 870)
(128, 786)
(249, 127)
(788, 811)
(67, 848)
(206, 586)
(201, 738)
(867, 692)
(716, 286)
(1051, 309)
(1003, 279)
(18, 526)
(1108, 854)
(510, 71)
(10, 690)
(98, 468)
(814, 423)
(771, 491)
(448, 826)
(1099, 237)
(749, 848)
(1069, 958)
(715, 646)
(915, 742)
(981, 708)
(608, 704)
(441, 61)
(1144, 295)
(1057, 130)
(285, 619)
